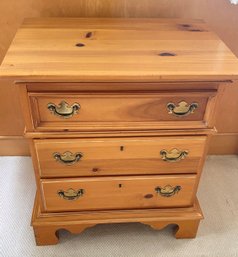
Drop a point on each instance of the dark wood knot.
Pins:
(89, 34)
(95, 169)
(185, 25)
(80, 45)
(189, 27)
(148, 196)
(195, 30)
(167, 54)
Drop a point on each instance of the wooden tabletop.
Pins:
(95, 49)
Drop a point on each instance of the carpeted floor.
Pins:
(217, 236)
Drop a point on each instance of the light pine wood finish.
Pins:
(117, 50)
(138, 86)
(119, 156)
(108, 111)
(125, 73)
(224, 143)
(46, 225)
(129, 133)
(118, 116)
(13, 145)
(118, 193)
(219, 14)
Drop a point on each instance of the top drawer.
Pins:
(119, 110)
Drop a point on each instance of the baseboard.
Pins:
(13, 145)
(221, 144)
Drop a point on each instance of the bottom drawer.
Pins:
(131, 192)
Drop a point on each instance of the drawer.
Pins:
(131, 192)
(124, 111)
(119, 156)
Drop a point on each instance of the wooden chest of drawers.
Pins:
(118, 113)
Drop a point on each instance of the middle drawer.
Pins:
(119, 156)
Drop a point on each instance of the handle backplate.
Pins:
(168, 190)
(182, 109)
(67, 158)
(70, 194)
(63, 109)
(173, 155)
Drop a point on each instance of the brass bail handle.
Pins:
(182, 109)
(174, 155)
(70, 194)
(63, 109)
(67, 158)
(168, 190)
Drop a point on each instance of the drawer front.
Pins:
(101, 111)
(119, 156)
(132, 192)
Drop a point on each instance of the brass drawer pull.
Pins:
(173, 155)
(68, 158)
(70, 194)
(64, 110)
(183, 108)
(168, 190)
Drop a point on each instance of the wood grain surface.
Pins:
(219, 14)
(186, 219)
(131, 50)
(118, 193)
(118, 156)
(121, 110)
(103, 49)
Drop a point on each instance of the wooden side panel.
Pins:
(117, 193)
(11, 119)
(227, 118)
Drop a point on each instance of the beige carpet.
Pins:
(217, 236)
